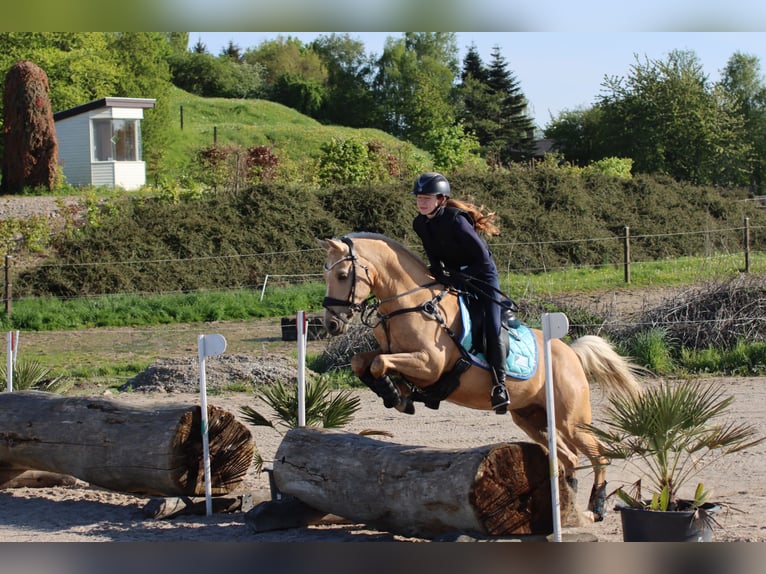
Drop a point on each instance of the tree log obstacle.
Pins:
(154, 449)
(495, 490)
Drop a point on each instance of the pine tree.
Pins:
(31, 149)
(514, 133)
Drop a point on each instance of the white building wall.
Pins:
(129, 174)
(73, 136)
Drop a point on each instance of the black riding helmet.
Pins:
(431, 183)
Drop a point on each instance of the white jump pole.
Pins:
(208, 346)
(555, 326)
(300, 327)
(9, 363)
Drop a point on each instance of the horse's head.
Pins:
(348, 284)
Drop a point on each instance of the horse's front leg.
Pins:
(415, 366)
(393, 394)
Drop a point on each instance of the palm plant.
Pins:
(31, 375)
(324, 407)
(668, 434)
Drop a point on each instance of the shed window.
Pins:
(116, 140)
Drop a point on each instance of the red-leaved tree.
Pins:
(30, 157)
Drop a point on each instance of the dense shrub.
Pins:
(550, 218)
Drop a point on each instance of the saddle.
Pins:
(521, 362)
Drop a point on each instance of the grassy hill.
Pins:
(294, 137)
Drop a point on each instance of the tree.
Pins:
(578, 135)
(415, 76)
(667, 117)
(744, 85)
(145, 73)
(493, 107)
(349, 100)
(31, 149)
(291, 72)
(514, 133)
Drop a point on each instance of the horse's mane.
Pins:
(396, 245)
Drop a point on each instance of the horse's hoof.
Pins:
(409, 407)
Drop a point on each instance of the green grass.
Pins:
(128, 310)
(664, 273)
(296, 138)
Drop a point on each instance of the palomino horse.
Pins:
(414, 321)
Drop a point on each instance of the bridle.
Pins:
(369, 306)
(349, 303)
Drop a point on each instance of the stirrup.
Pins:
(499, 399)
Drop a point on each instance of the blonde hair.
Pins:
(484, 223)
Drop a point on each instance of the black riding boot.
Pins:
(497, 352)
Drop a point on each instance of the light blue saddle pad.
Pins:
(522, 357)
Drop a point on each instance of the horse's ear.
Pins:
(330, 244)
(324, 243)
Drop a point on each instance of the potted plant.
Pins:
(668, 434)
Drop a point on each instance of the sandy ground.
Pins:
(85, 513)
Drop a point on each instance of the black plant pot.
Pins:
(641, 525)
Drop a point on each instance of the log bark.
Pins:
(154, 449)
(494, 490)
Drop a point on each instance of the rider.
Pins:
(449, 230)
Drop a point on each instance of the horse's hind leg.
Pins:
(584, 442)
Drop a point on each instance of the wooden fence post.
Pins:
(626, 252)
(747, 245)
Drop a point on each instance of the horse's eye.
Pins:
(342, 275)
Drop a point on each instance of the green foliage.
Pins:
(31, 234)
(55, 314)
(747, 358)
(652, 348)
(324, 407)
(31, 375)
(669, 434)
(343, 162)
(613, 166)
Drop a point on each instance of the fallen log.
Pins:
(494, 490)
(153, 449)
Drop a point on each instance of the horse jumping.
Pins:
(414, 321)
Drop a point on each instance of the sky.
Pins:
(556, 71)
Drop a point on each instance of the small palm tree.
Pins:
(324, 407)
(31, 375)
(668, 434)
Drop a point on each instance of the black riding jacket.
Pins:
(451, 242)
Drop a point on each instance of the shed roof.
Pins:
(105, 103)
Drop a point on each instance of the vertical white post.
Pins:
(15, 346)
(9, 363)
(300, 327)
(555, 326)
(207, 346)
(263, 289)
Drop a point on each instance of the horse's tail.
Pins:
(602, 363)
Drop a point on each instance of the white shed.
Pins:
(100, 142)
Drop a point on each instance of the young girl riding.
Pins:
(459, 257)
